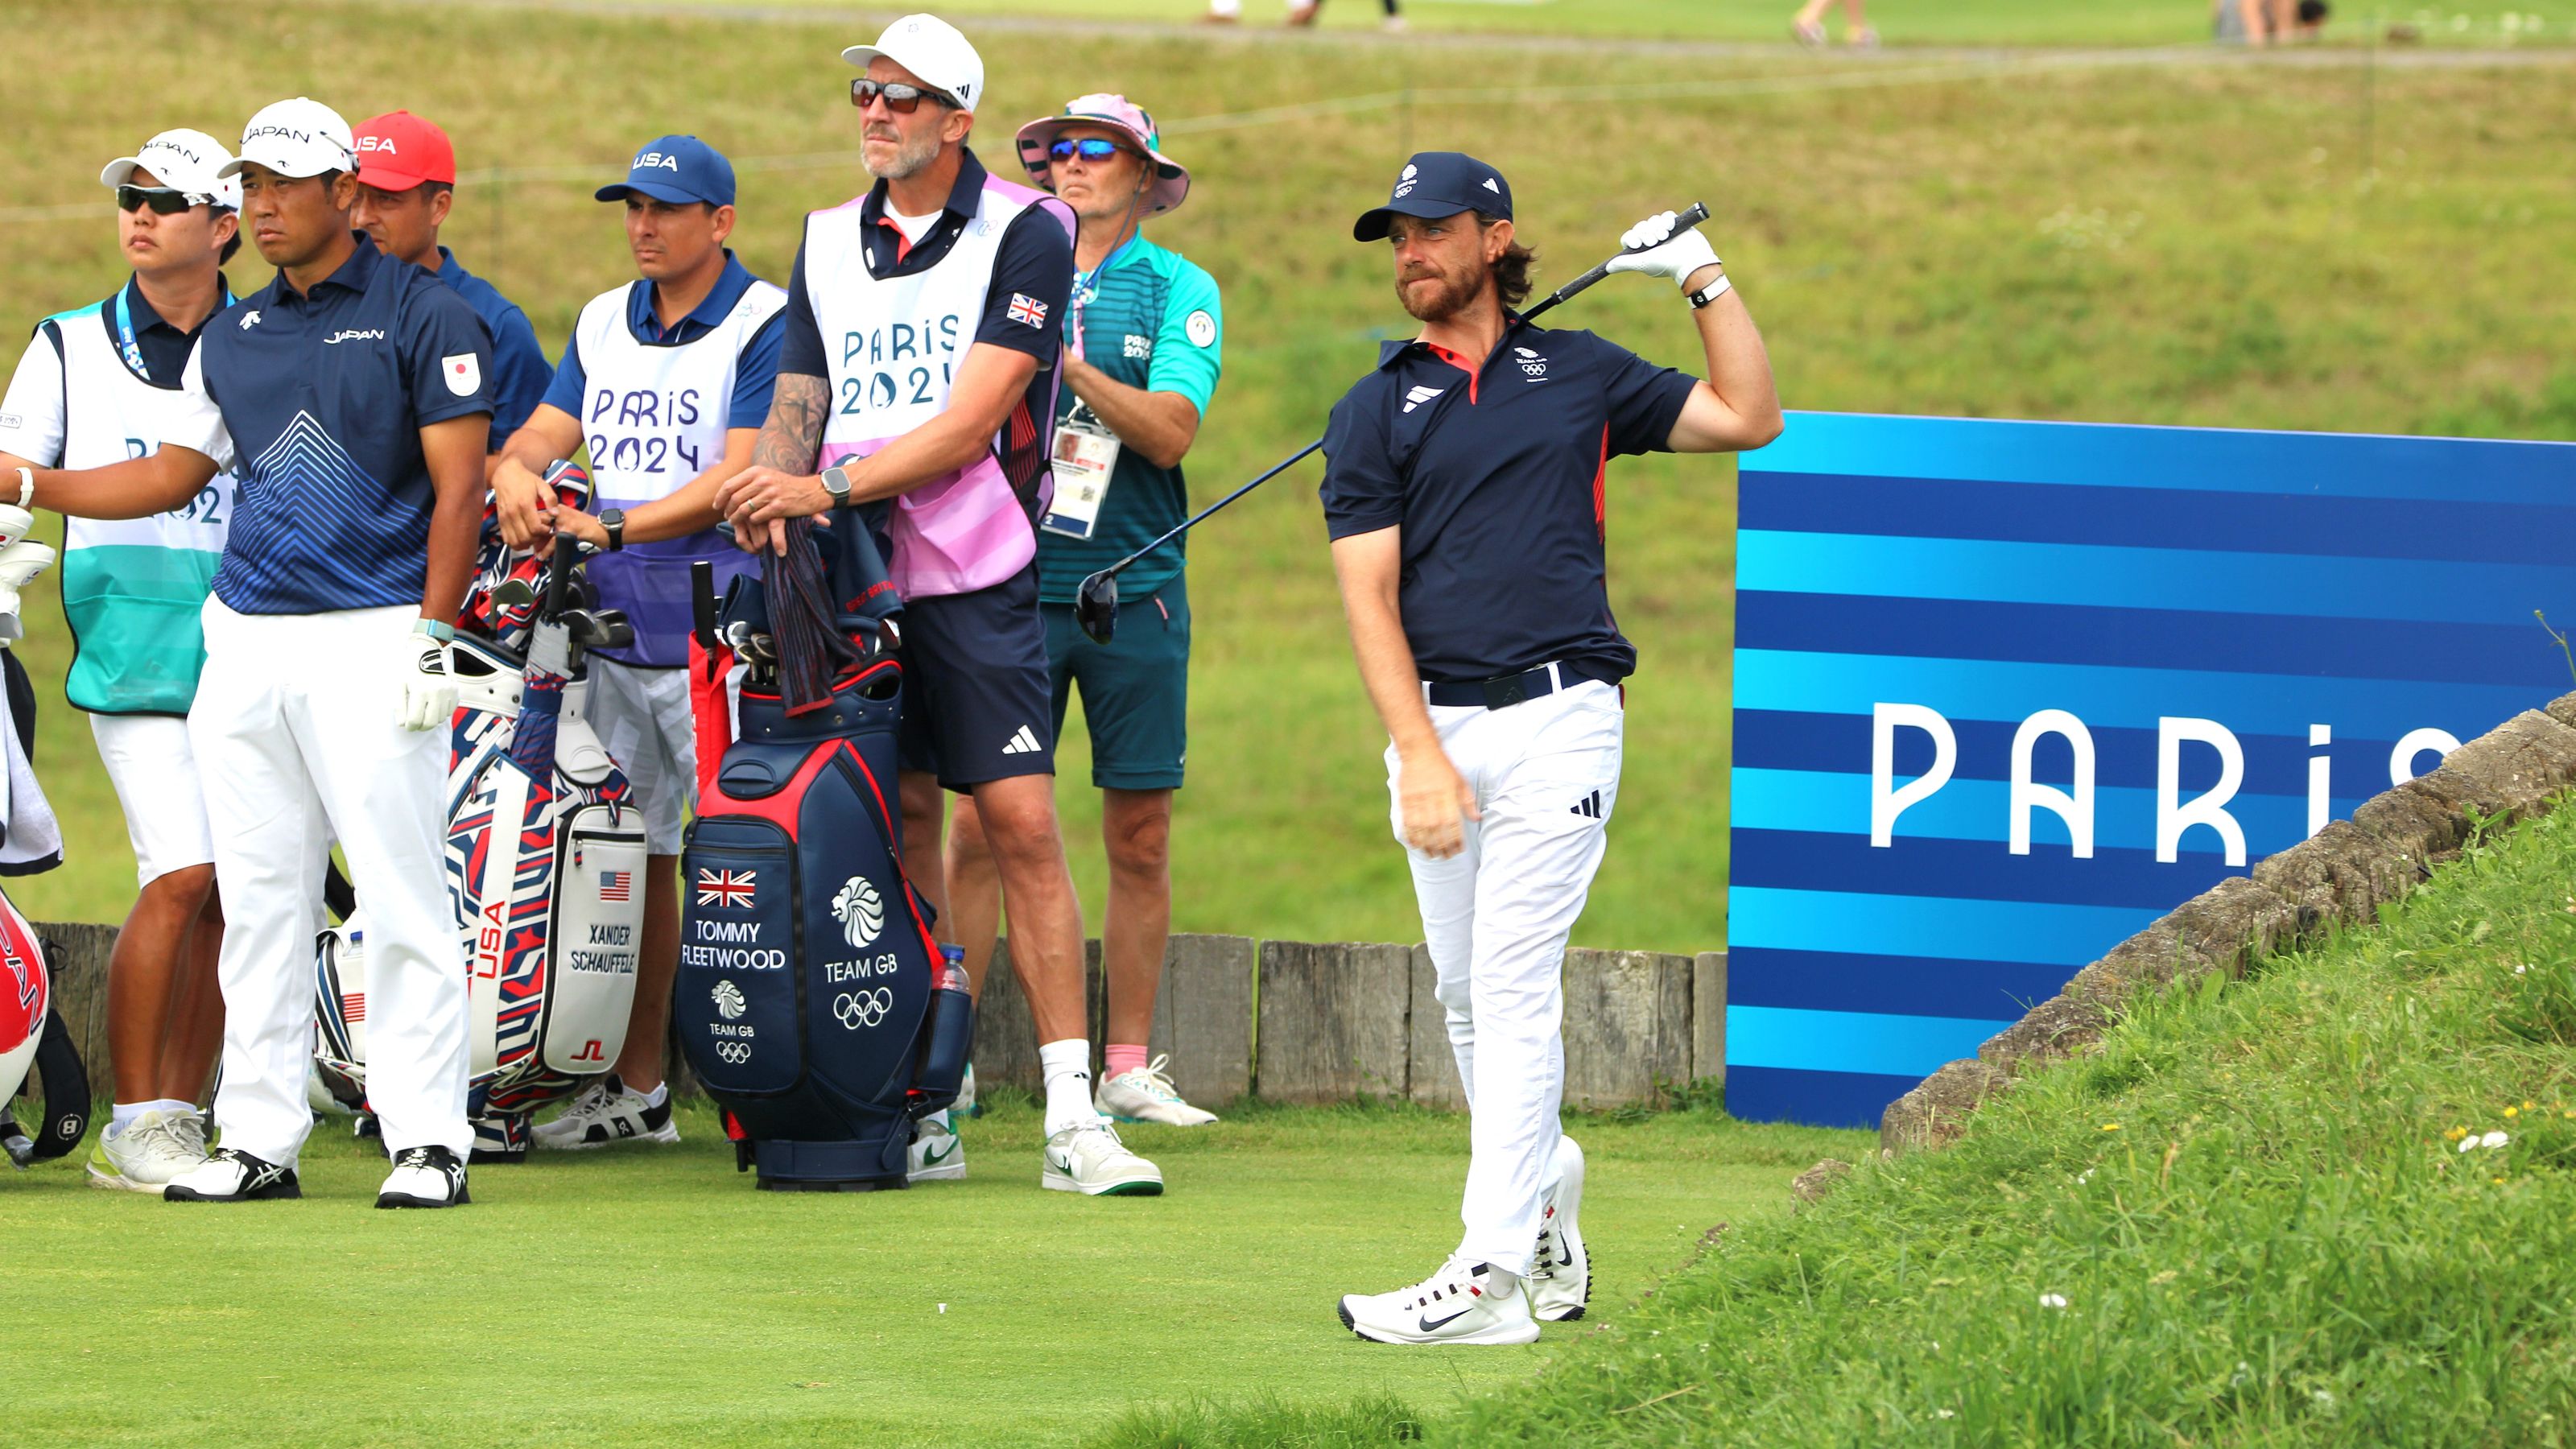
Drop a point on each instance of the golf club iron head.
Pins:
(1095, 606)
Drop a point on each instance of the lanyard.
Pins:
(125, 342)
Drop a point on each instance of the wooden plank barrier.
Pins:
(1334, 1021)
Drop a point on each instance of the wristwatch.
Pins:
(614, 520)
(1712, 291)
(836, 481)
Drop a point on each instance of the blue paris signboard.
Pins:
(2006, 692)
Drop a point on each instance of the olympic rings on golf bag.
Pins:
(546, 858)
(34, 1040)
(812, 1000)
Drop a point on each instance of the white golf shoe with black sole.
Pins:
(1462, 1303)
(424, 1177)
(230, 1176)
(608, 1113)
(1560, 1280)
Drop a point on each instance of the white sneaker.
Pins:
(938, 1154)
(230, 1176)
(607, 1113)
(965, 1106)
(424, 1177)
(151, 1151)
(1560, 1280)
(1453, 1305)
(1144, 1094)
(1089, 1159)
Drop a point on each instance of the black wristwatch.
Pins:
(614, 520)
(836, 482)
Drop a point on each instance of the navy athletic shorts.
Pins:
(976, 703)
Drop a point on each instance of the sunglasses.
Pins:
(900, 98)
(1090, 148)
(164, 200)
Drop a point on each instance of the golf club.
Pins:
(1095, 602)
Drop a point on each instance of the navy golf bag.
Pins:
(812, 1000)
(545, 855)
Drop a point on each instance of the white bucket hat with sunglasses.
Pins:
(185, 161)
(1037, 142)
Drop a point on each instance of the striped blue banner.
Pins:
(2195, 643)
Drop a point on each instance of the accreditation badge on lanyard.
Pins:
(1086, 453)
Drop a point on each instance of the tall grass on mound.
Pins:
(2334, 1204)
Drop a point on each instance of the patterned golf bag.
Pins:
(545, 867)
(33, 1040)
(812, 999)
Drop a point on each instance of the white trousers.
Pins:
(294, 729)
(1496, 916)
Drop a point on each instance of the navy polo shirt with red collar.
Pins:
(1496, 476)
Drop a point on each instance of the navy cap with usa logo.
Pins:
(677, 170)
(1436, 184)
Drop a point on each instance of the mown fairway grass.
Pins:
(2252, 1204)
(653, 1297)
(2187, 244)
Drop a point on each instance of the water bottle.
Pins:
(947, 1036)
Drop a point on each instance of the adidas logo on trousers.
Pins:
(1589, 806)
(1023, 743)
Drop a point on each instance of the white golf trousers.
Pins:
(294, 729)
(1496, 916)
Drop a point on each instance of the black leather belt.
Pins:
(1505, 690)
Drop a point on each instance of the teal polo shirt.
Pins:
(1153, 322)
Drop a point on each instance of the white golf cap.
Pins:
(301, 137)
(183, 160)
(932, 49)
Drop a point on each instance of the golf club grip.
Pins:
(559, 574)
(1682, 222)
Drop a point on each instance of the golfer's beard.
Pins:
(1453, 296)
(909, 157)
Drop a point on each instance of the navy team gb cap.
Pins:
(679, 170)
(1436, 184)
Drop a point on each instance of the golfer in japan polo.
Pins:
(1463, 488)
(352, 390)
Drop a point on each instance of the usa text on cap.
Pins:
(1436, 184)
(932, 49)
(679, 170)
(398, 151)
(182, 160)
(301, 137)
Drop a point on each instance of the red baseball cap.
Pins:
(398, 151)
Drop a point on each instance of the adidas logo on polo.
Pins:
(1023, 743)
(1589, 807)
(1420, 395)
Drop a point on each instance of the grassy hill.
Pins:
(2264, 1214)
(2208, 243)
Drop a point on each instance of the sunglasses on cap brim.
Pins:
(901, 97)
(1089, 148)
(164, 200)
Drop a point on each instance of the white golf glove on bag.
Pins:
(1652, 248)
(21, 559)
(428, 696)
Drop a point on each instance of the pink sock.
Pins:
(1118, 1059)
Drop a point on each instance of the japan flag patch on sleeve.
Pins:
(464, 373)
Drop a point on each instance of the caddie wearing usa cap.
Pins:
(919, 377)
(95, 383)
(1466, 492)
(351, 394)
(1142, 349)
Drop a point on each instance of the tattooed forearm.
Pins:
(793, 437)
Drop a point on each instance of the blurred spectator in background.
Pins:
(1809, 24)
(2267, 22)
(1300, 12)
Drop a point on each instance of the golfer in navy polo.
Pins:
(1464, 490)
(350, 396)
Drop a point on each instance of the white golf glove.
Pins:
(1653, 248)
(21, 559)
(428, 695)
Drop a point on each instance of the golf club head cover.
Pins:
(34, 1040)
(21, 559)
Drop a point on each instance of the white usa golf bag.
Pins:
(545, 867)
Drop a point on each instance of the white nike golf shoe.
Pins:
(607, 1113)
(151, 1151)
(966, 1105)
(1462, 1303)
(938, 1154)
(1560, 1280)
(1144, 1094)
(1089, 1159)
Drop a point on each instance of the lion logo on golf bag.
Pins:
(729, 1002)
(861, 912)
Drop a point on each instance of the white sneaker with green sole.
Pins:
(938, 1154)
(1144, 1094)
(154, 1148)
(1089, 1159)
